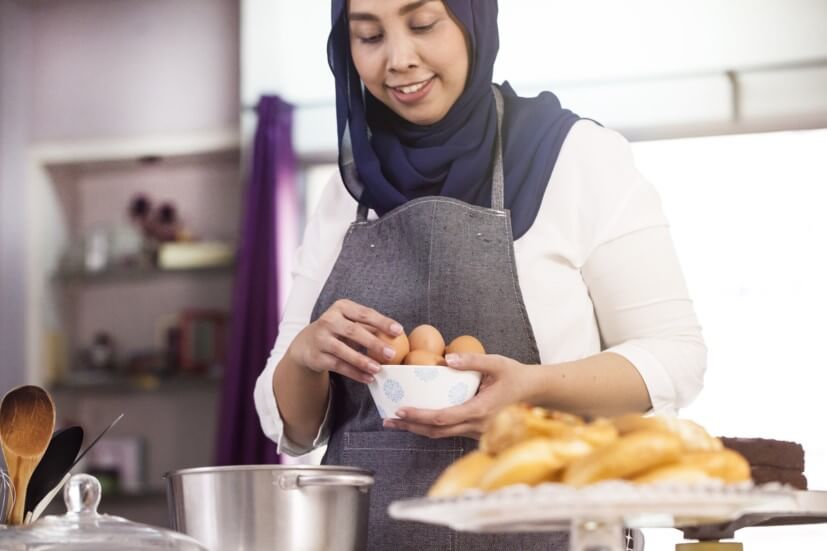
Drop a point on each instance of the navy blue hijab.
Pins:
(394, 160)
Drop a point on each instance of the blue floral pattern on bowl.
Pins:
(458, 393)
(393, 390)
(426, 373)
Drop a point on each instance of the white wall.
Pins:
(565, 40)
(746, 214)
(113, 68)
(15, 63)
(574, 47)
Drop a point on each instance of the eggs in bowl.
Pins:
(422, 379)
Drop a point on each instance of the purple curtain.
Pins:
(269, 211)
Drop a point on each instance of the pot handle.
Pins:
(292, 482)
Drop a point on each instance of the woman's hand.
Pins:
(504, 382)
(331, 343)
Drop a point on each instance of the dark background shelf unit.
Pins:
(174, 416)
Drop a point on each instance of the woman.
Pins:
(482, 213)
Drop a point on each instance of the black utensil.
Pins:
(49, 496)
(60, 455)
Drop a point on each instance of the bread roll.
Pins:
(463, 474)
(694, 437)
(674, 472)
(727, 465)
(627, 457)
(533, 461)
(518, 423)
(598, 433)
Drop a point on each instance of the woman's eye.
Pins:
(370, 39)
(422, 28)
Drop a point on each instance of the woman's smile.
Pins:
(413, 93)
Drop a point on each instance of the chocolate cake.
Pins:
(771, 460)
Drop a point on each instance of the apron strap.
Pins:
(362, 213)
(497, 178)
(347, 165)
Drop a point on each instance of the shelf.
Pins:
(108, 152)
(118, 275)
(102, 383)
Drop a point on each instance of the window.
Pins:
(748, 220)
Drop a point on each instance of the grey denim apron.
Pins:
(450, 264)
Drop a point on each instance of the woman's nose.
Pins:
(402, 55)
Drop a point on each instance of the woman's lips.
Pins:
(413, 97)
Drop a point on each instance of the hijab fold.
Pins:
(386, 160)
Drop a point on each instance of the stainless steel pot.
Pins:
(272, 507)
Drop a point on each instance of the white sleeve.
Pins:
(640, 297)
(312, 264)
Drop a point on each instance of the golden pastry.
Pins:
(598, 433)
(674, 472)
(627, 457)
(727, 465)
(463, 474)
(693, 436)
(533, 461)
(518, 423)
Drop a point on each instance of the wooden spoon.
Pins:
(27, 419)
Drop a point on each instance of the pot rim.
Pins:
(245, 468)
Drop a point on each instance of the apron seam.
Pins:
(427, 199)
(430, 257)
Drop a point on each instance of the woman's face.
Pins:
(411, 55)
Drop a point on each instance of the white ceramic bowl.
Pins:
(421, 386)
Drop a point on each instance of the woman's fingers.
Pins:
(467, 430)
(474, 410)
(484, 363)
(343, 352)
(355, 335)
(346, 370)
(368, 316)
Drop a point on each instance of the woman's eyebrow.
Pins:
(413, 6)
(404, 10)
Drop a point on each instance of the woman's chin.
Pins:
(421, 117)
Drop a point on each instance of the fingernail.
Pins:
(452, 359)
(401, 414)
(396, 329)
(375, 367)
(369, 379)
(389, 352)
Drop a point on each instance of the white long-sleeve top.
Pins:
(597, 269)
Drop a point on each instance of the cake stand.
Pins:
(596, 516)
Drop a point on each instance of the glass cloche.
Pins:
(83, 529)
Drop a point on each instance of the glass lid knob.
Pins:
(82, 494)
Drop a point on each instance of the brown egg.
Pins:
(399, 344)
(427, 337)
(423, 357)
(465, 344)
